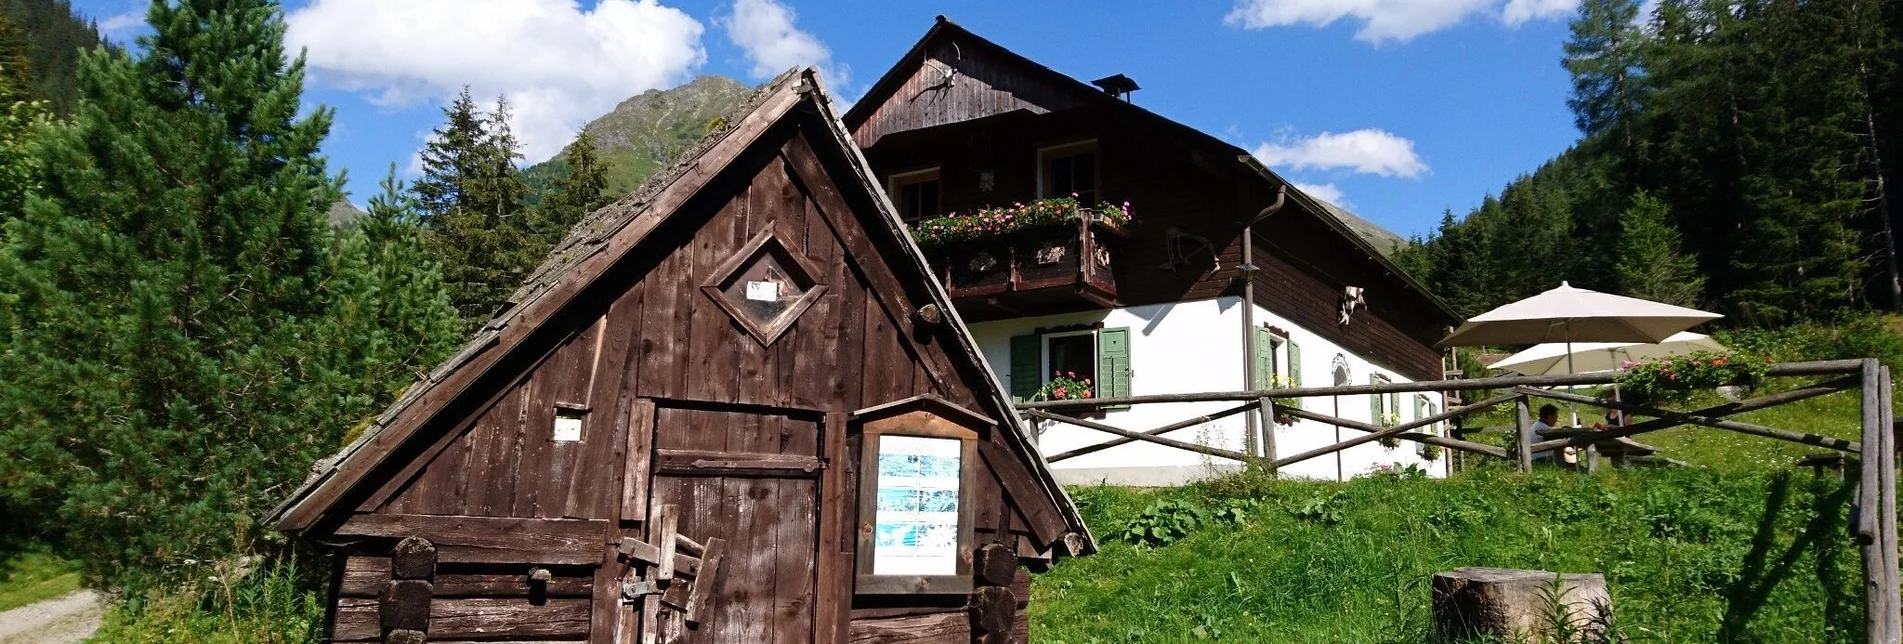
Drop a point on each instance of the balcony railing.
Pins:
(1059, 261)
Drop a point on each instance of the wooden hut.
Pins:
(731, 407)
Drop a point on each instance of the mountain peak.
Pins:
(648, 130)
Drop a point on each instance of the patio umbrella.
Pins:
(1591, 357)
(1569, 315)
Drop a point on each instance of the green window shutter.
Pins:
(1374, 402)
(1420, 408)
(1113, 363)
(1027, 366)
(1264, 359)
(1295, 363)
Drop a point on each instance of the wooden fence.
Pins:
(1873, 518)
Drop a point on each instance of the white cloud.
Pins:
(765, 30)
(1325, 192)
(1365, 151)
(1385, 20)
(557, 65)
(124, 25)
(1518, 12)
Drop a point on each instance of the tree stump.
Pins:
(1517, 605)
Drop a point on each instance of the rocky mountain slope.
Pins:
(645, 132)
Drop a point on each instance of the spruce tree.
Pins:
(1603, 58)
(472, 199)
(583, 190)
(178, 332)
(1651, 264)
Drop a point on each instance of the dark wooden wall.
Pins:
(981, 84)
(660, 340)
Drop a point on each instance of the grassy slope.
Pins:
(33, 575)
(1691, 556)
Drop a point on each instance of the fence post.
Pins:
(1267, 408)
(1523, 427)
(1876, 513)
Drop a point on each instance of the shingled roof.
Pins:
(605, 234)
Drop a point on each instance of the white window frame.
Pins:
(1064, 149)
(894, 181)
(1044, 355)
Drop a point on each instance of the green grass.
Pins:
(33, 575)
(1691, 555)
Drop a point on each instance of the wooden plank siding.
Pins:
(957, 84)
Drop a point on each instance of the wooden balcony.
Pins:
(1054, 269)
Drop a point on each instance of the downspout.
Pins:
(1265, 427)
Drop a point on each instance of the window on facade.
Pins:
(1069, 169)
(1074, 355)
(1276, 360)
(1102, 355)
(1385, 409)
(916, 194)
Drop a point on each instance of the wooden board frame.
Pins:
(925, 424)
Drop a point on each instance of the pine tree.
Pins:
(1603, 58)
(397, 307)
(1651, 264)
(16, 69)
(472, 197)
(178, 332)
(581, 191)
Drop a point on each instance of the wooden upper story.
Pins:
(962, 126)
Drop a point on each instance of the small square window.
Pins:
(568, 424)
(764, 287)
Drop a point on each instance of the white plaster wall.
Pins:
(1188, 347)
(1318, 366)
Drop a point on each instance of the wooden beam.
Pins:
(1091, 449)
(491, 540)
(1134, 435)
(1886, 523)
(1818, 368)
(1716, 411)
(1819, 440)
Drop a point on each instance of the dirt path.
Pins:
(67, 620)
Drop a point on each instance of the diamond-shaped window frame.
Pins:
(796, 266)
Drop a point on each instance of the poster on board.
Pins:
(916, 527)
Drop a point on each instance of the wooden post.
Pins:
(1267, 406)
(993, 608)
(1885, 461)
(1523, 427)
(403, 608)
(1876, 498)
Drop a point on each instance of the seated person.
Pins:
(1548, 421)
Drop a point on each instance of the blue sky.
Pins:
(1398, 109)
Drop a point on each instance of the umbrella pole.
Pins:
(1569, 366)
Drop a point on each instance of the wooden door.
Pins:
(751, 479)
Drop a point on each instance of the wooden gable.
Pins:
(623, 392)
(949, 77)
